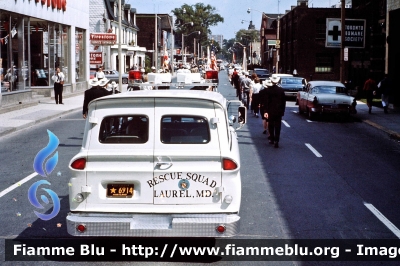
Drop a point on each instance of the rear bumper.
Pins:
(153, 225)
(291, 93)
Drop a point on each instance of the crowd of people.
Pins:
(265, 99)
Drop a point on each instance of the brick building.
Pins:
(303, 43)
(149, 34)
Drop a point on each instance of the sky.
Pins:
(233, 11)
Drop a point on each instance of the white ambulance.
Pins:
(158, 163)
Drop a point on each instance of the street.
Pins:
(330, 179)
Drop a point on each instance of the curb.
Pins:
(32, 123)
(392, 134)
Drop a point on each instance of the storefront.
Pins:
(36, 37)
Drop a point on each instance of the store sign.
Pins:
(96, 58)
(59, 4)
(103, 38)
(354, 35)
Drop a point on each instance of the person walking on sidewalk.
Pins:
(275, 108)
(369, 88)
(58, 79)
(385, 87)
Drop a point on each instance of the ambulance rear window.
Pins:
(181, 129)
(124, 129)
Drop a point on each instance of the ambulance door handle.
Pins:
(163, 166)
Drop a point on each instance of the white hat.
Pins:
(94, 82)
(267, 83)
(153, 67)
(142, 70)
(246, 73)
(103, 82)
(275, 80)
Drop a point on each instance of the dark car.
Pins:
(113, 75)
(262, 73)
(291, 85)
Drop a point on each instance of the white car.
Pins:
(158, 163)
(323, 97)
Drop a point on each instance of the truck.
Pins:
(158, 163)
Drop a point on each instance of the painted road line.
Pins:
(26, 179)
(313, 150)
(285, 123)
(295, 112)
(383, 219)
(309, 121)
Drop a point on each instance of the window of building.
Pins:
(320, 30)
(324, 63)
(80, 73)
(14, 71)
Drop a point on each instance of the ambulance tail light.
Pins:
(220, 228)
(229, 164)
(79, 164)
(211, 74)
(81, 228)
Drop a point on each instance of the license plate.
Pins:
(334, 106)
(120, 190)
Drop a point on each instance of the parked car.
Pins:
(291, 85)
(92, 74)
(262, 73)
(320, 97)
(113, 75)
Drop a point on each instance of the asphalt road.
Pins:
(326, 181)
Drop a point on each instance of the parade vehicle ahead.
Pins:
(158, 163)
(160, 81)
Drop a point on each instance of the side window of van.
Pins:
(124, 129)
(181, 129)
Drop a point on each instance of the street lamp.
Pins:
(183, 43)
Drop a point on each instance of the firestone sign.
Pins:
(55, 4)
(103, 38)
(354, 35)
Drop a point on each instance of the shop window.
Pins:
(80, 73)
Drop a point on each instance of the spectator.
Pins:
(369, 88)
(385, 87)
(58, 79)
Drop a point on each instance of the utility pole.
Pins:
(343, 21)
(119, 45)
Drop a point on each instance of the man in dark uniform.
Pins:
(96, 91)
(274, 103)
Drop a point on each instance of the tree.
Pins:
(203, 17)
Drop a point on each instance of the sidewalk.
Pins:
(14, 118)
(389, 123)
